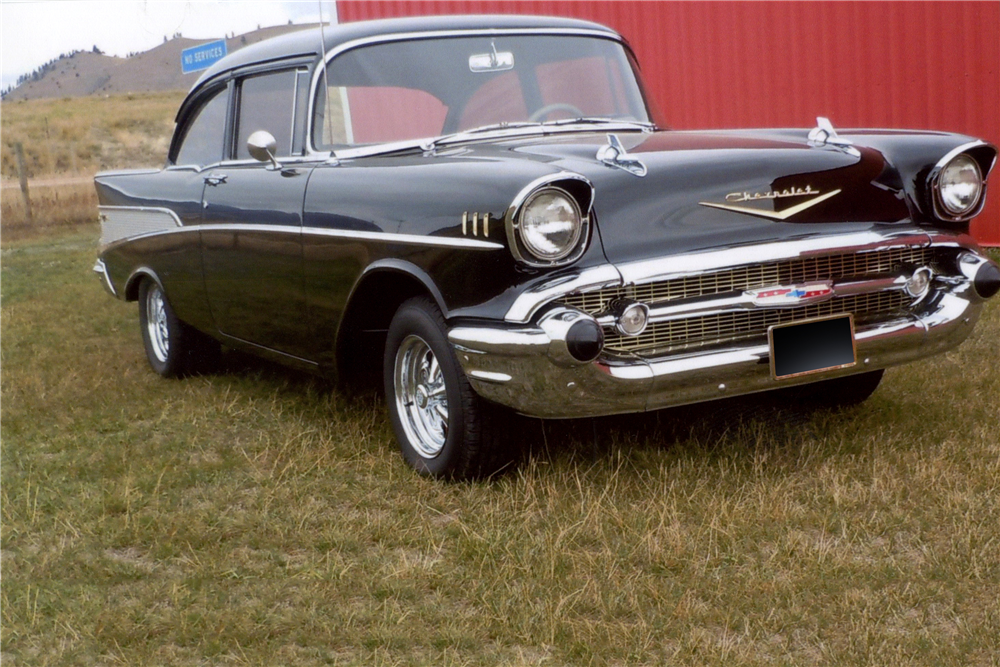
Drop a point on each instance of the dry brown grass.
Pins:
(53, 209)
(65, 139)
(84, 135)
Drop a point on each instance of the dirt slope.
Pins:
(158, 69)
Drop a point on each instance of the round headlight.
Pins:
(960, 184)
(551, 224)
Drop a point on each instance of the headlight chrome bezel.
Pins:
(941, 209)
(578, 191)
(526, 236)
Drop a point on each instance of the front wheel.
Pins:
(444, 429)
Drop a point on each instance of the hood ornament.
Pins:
(824, 135)
(614, 154)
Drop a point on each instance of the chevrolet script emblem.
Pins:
(773, 195)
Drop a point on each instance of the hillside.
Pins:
(159, 69)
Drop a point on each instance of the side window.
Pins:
(267, 103)
(203, 139)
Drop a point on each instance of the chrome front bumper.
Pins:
(517, 367)
(525, 366)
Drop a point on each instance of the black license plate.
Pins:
(812, 346)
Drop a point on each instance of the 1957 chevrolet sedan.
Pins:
(490, 211)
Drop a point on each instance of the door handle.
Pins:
(215, 179)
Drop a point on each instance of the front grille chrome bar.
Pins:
(686, 333)
(853, 266)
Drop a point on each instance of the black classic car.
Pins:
(489, 211)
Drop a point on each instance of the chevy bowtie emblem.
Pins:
(783, 214)
(795, 295)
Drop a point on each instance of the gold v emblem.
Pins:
(774, 215)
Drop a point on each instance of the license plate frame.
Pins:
(792, 359)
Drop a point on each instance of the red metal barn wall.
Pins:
(925, 65)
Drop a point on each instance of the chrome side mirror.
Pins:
(262, 146)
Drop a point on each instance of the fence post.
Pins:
(22, 176)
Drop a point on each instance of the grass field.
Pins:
(259, 516)
(88, 134)
(65, 139)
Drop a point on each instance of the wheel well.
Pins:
(372, 305)
(132, 286)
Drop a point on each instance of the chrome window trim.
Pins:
(380, 237)
(408, 36)
(316, 159)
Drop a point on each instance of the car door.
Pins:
(252, 222)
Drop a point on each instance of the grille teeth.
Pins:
(741, 325)
(695, 332)
(739, 279)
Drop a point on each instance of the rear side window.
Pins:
(203, 139)
(267, 103)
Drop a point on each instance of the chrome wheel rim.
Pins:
(156, 323)
(421, 396)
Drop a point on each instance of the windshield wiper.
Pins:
(492, 127)
(430, 143)
(600, 120)
(507, 125)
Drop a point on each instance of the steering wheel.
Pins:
(558, 106)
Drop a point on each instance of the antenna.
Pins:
(327, 111)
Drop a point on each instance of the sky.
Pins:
(32, 32)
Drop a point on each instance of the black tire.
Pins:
(839, 392)
(419, 369)
(173, 348)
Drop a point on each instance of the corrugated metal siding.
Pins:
(924, 65)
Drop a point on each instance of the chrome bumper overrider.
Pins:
(526, 367)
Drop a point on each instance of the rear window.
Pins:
(266, 103)
(204, 136)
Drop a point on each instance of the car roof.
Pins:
(307, 42)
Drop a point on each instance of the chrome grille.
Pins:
(739, 279)
(694, 332)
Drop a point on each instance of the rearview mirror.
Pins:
(491, 62)
(262, 145)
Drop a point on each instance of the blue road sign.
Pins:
(202, 56)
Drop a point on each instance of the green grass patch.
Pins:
(260, 516)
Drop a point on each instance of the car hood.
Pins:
(709, 189)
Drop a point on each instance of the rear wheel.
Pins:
(173, 347)
(444, 429)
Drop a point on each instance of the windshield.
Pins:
(407, 90)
